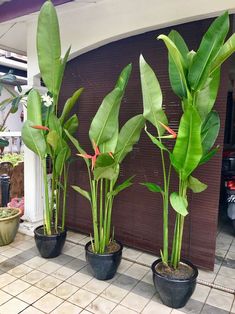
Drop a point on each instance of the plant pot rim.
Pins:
(46, 235)
(185, 261)
(105, 254)
(11, 217)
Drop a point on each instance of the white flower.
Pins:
(47, 100)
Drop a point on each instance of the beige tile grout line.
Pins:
(202, 282)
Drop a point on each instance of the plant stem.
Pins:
(66, 170)
(47, 220)
(94, 215)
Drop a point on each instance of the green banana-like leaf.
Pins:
(104, 160)
(110, 145)
(54, 124)
(224, 53)
(152, 96)
(176, 81)
(34, 107)
(128, 137)
(179, 204)
(152, 187)
(205, 98)
(205, 158)
(49, 47)
(71, 125)
(210, 131)
(120, 187)
(104, 125)
(15, 104)
(196, 185)
(178, 60)
(82, 192)
(187, 152)
(110, 172)
(211, 43)
(69, 105)
(60, 160)
(34, 139)
(53, 139)
(124, 77)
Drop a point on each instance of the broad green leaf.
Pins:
(176, 81)
(124, 77)
(34, 107)
(69, 105)
(152, 187)
(110, 145)
(155, 141)
(210, 131)
(104, 124)
(53, 139)
(152, 96)
(3, 142)
(48, 46)
(34, 139)
(60, 161)
(77, 146)
(15, 104)
(128, 137)
(209, 155)
(82, 192)
(205, 98)
(71, 125)
(61, 69)
(179, 203)
(224, 53)
(109, 172)
(195, 185)
(54, 123)
(120, 187)
(104, 160)
(187, 152)
(208, 49)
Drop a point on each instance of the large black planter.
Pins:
(174, 292)
(103, 266)
(49, 246)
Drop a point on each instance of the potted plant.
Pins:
(194, 77)
(110, 146)
(9, 224)
(44, 132)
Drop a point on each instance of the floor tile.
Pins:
(2, 258)
(35, 262)
(225, 282)
(6, 279)
(125, 282)
(208, 309)
(124, 266)
(101, 306)
(146, 258)
(131, 253)
(48, 283)
(64, 290)
(20, 271)
(31, 310)
(76, 264)
(155, 307)
(144, 289)
(114, 293)
(148, 278)
(227, 272)
(48, 303)
(31, 295)
(134, 302)
(75, 251)
(9, 264)
(62, 259)
(79, 279)
(192, 307)
(123, 310)
(63, 273)
(11, 252)
(4, 297)
(67, 308)
(201, 293)
(13, 306)
(82, 298)
(233, 307)
(96, 286)
(49, 267)
(220, 299)
(16, 287)
(137, 271)
(208, 276)
(33, 277)
(25, 245)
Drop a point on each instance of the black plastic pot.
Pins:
(103, 266)
(174, 293)
(49, 246)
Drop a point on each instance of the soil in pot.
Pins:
(9, 224)
(49, 246)
(104, 266)
(175, 287)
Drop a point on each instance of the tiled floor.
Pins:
(30, 284)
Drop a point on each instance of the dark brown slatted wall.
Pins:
(137, 212)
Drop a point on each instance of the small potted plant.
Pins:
(44, 132)
(194, 77)
(9, 224)
(110, 146)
